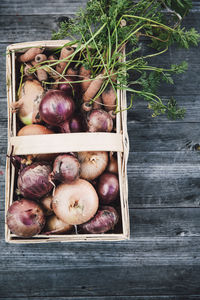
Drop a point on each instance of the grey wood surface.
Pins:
(161, 261)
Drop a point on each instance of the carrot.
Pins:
(27, 67)
(40, 58)
(65, 52)
(85, 76)
(83, 72)
(41, 74)
(109, 98)
(30, 54)
(52, 57)
(93, 88)
(71, 72)
(97, 104)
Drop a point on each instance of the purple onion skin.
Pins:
(108, 188)
(64, 127)
(75, 124)
(66, 168)
(33, 181)
(98, 120)
(67, 86)
(104, 220)
(56, 107)
(25, 218)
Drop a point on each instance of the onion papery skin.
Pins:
(25, 218)
(64, 127)
(104, 220)
(108, 188)
(56, 107)
(98, 120)
(33, 181)
(76, 123)
(93, 163)
(66, 168)
(75, 203)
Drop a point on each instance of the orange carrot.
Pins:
(30, 54)
(109, 98)
(41, 74)
(97, 104)
(65, 52)
(93, 88)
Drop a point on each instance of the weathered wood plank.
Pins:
(22, 7)
(172, 136)
(27, 28)
(45, 256)
(135, 279)
(158, 297)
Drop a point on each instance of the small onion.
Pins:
(75, 203)
(68, 85)
(46, 204)
(33, 181)
(75, 124)
(93, 163)
(108, 188)
(55, 226)
(104, 220)
(66, 168)
(25, 218)
(99, 120)
(56, 107)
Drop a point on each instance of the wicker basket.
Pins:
(24, 145)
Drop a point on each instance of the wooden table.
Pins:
(162, 258)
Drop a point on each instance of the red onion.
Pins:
(75, 124)
(66, 168)
(56, 107)
(99, 120)
(33, 182)
(108, 188)
(67, 86)
(64, 127)
(104, 220)
(25, 218)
